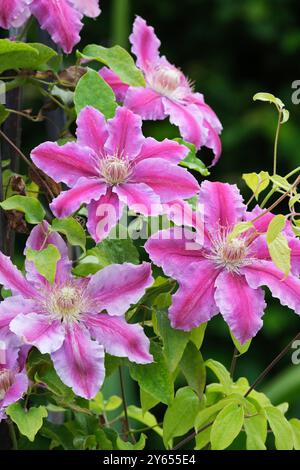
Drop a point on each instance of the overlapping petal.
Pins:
(16, 390)
(91, 129)
(80, 362)
(120, 338)
(12, 278)
(139, 197)
(168, 150)
(145, 44)
(103, 215)
(87, 7)
(145, 102)
(13, 13)
(117, 286)
(125, 134)
(113, 80)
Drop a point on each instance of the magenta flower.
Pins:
(168, 93)
(13, 378)
(221, 275)
(61, 18)
(75, 320)
(112, 165)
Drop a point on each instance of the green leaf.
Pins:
(263, 96)
(92, 90)
(32, 208)
(242, 348)
(281, 428)
(180, 415)
(207, 414)
(278, 246)
(197, 335)
(3, 114)
(174, 341)
(59, 435)
(45, 261)
(238, 229)
(140, 445)
(148, 419)
(193, 368)
(295, 424)
(18, 55)
(191, 161)
(28, 422)
(257, 182)
(155, 378)
(147, 401)
(72, 230)
(203, 438)
(221, 372)
(118, 60)
(50, 378)
(256, 432)
(280, 182)
(227, 426)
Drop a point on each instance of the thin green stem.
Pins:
(233, 362)
(128, 431)
(292, 172)
(270, 194)
(276, 142)
(12, 434)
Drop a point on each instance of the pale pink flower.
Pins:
(167, 93)
(223, 275)
(75, 319)
(111, 165)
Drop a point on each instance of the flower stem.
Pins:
(128, 431)
(272, 364)
(233, 362)
(276, 142)
(12, 434)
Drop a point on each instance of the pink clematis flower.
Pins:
(113, 164)
(61, 18)
(168, 93)
(222, 275)
(13, 378)
(75, 320)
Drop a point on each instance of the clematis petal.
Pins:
(168, 150)
(174, 250)
(40, 331)
(145, 102)
(80, 362)
(264, 273)
(194, 302)
(117, 286)
(92, 129)
(83, 192)
(103, 215)
(167, 180)
(16, 390)
(145, 44)
(241, 306)
(113, 80)
(189, 120)
(40, 238)
(181, 213)
(222, 204)
(139, 197)
(13, 279)
(60, 19)
(65, 163)
(88, 8)
(125, 134)
(13, 306)
(13, 13)
(120, 338)
(213, 142)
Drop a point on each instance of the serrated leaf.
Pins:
(118, 60)
(180, 415)
(45, 261)
(72, 230)
(227, 426)
(92, 90)
(281, 428)
(31, 207)
(28, 422)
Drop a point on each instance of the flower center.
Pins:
(169, 81)
(65, 304)
(229, 254)
(115, 169)
(6, 381)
